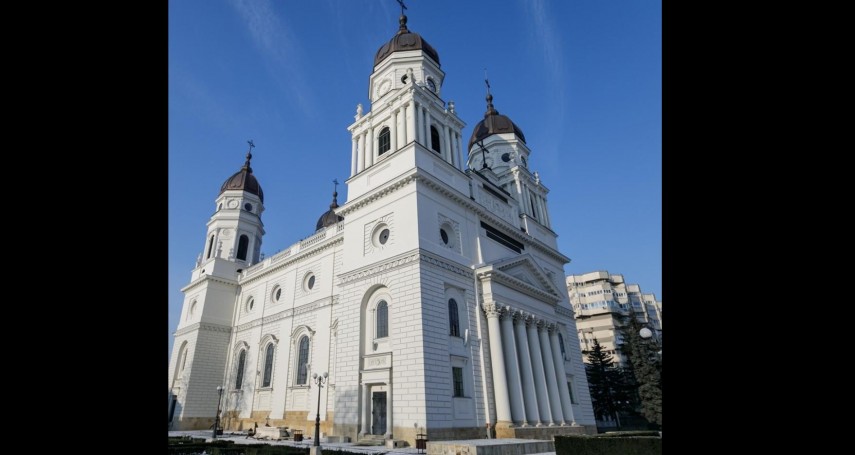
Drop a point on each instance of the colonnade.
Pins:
(529, 381)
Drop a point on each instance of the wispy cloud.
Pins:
(279, 47)
(549, 43)
(187, 93)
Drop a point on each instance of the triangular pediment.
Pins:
(523, 274)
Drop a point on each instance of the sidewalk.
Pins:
(240, 438)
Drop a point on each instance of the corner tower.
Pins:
(232, 243)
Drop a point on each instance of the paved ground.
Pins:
(240, 438)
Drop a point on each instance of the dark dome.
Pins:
(405, 40)
(244, 180)
(493, 123)
(329, 218)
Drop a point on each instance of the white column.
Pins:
(427, 129)
(365, 428)
(360, 154)
(420, 124)
(500, 384)
(561, 376)
(537, 370)
(542, 210)
(353, 148)
(513, 369)
(545, 213)
(388, 433)
(551, 383)
(525, 371)
(446, 139)
(405, 124)
(459, 152)
(370, 153)
(394, 133)
(411, 122)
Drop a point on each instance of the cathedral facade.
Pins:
(432, 300)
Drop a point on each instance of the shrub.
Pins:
(609, 445)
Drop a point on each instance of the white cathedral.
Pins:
(434, 298)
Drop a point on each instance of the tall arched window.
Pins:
(434, 140)
(241, 364)
(382, 319)
(303, 361)
(210, 247)
(383, 142)
(453, 319)
(268, 366)
(243, 245)
(561, 345)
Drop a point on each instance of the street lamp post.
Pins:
(319, 380)
(217, 417)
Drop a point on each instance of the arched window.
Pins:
(453, 318)
(268, 366)
(243, 245)
(561, 345)
(383, 141)
(434, 140)
(241, 364)
(210, 247)
(382, 320)
(303, 361)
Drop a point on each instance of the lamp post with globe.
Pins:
(217, 417)
(316, 444)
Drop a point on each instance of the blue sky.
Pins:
(581, 78)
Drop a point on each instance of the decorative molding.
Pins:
(377, 194)
(365, 272)
(204, 278)
(437, 261)
(561, 311)
(503, 278)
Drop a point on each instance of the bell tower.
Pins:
(232, 243)
(404, 89)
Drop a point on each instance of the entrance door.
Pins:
(378, 413)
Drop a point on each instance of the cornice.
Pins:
(561, 311)
(203, 326)
(204, 278)
(378, 194)
(289, 312)
(503, 278)
(374, 269)
(440, 262)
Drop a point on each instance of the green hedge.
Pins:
(612, 445)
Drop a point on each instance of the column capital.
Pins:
(491, 309)
(552, 327)
(530, 321)
(519, 317)
(541, 325)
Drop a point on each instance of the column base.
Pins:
(315, 450)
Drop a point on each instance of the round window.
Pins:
(277, 293)
(384, 236)
(250, 304)
(444, 236)
(248, 207)
(506, 157)
(309, 282)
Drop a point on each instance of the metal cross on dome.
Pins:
(403, 7)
